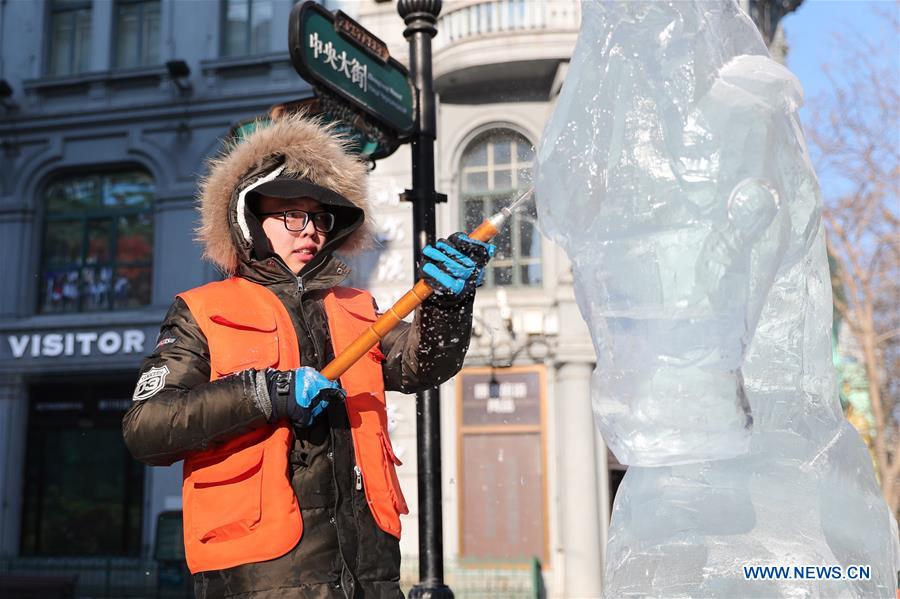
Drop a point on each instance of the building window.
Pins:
(70, 37)
(137, 33)
(495, 169)
(83, 492)
(247, 27)
(97, 247)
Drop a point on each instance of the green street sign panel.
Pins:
(338, 54)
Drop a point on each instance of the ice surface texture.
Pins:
(674, 173)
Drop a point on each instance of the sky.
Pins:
(810, 34)
(810, 29)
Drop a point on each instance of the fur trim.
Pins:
(310, 150)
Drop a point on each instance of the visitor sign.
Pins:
(51, 344)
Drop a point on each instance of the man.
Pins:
(290, 487)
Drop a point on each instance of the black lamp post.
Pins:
(420, 17)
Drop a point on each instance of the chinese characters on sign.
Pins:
(352, 69)
(506, 403)
(518, 401)
(341, 59)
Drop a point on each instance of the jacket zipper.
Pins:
(358, 473)
(320, 351)
(301, 289)
(300, 284)
(334, 513)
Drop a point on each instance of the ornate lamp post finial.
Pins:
(419, 15)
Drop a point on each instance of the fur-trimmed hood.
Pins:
(306, 149)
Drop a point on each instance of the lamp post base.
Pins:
(430, 589)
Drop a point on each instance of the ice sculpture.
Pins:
(674, 173)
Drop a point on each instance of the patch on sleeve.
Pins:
(150, 383)
(165, 341)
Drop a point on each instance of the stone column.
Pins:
(13, 431)
(580, 517)
(603, 498)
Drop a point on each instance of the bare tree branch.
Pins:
(853, 136)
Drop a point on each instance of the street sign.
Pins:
(336, 53)
(367, 139)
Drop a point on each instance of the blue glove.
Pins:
(454, 267)
(300, 395)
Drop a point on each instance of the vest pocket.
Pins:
(227, 497)
(389, 464)
(243, 342)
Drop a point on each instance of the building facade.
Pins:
(110, 108)
(102, 145)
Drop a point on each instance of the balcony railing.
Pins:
(499, 16)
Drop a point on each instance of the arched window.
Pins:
(97, 249)
(495, 169)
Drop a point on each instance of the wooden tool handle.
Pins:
(387, 321)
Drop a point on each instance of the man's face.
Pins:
(296, 248)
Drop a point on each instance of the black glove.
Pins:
(454, 267)
(300, 395)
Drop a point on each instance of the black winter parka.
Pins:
(343, 553)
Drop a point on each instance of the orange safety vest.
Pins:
(239, 506)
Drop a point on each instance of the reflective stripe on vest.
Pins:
(238, 503)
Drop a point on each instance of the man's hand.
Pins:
(454, 267)
(300, 395)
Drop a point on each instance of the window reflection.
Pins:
(248, 25)
(137, 33)
(70, 37)
(98, 243)
(83, 493)
(495, 169)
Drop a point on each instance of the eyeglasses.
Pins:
(296, 220)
